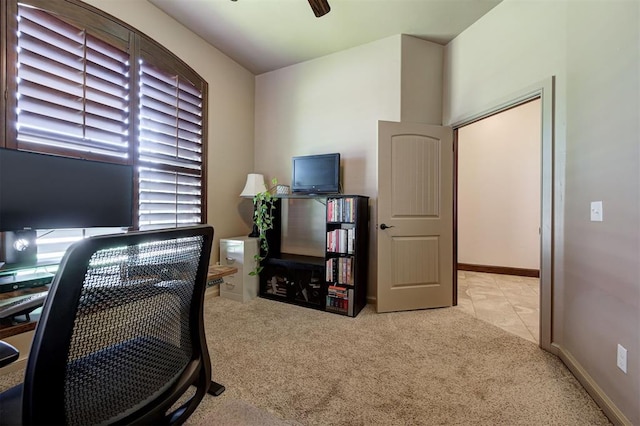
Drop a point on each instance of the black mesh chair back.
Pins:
(120, 338)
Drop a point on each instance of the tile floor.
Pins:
(509, 302)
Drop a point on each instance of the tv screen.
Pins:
(316, 174)
(39, 191)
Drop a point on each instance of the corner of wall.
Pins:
(421, 80)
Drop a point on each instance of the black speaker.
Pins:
(20, 248)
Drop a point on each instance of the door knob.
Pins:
(384, 226)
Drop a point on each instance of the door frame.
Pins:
(545, 90)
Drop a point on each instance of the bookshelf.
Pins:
(330, 272)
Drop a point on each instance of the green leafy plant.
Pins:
(264, 205)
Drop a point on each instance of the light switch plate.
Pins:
(622, 358)
(596, 211)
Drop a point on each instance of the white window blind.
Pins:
(169, 150)
(72, 89)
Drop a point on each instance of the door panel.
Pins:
(414, 176)
(415, 260)
(415, 202)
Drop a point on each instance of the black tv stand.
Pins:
(334, 282)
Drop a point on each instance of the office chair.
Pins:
(121, 335)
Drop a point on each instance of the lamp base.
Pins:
(254, 232)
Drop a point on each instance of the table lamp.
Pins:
(254, 186)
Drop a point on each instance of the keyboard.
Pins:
(22, 306)
(214, 281)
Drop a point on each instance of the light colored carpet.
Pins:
(287, 365)
(231, 412)
(428, 367)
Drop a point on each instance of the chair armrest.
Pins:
(8, 353)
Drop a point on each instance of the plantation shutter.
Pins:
(53, 243)
(73, 89)
(70, 74)
(170, 149)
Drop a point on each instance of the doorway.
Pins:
(545, 91)
(498, 220)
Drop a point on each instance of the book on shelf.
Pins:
(341, 240)
(340, 299)
(336, 290)
(339, 270)
(337, 304)
(341, 210)
(328, 270)
(277, 286)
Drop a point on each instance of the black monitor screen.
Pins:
(39, 191)
(316, 174)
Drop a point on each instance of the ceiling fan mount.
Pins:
(320, 7)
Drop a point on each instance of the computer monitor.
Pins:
(42, 191)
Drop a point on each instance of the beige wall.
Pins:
(421, 81)
(499, 189)
(333, 104)
(231, 109)
(330, 104)
(593, 50)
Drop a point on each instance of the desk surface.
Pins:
(13, 328)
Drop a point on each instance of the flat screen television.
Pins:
(39, 191)
(316, 174)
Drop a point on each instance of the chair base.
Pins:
(11, 406)
(215, 389)
(8, 353)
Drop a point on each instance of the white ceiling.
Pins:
(264, 35)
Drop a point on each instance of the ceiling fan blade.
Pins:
(320, 7)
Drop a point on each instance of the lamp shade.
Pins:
(255, 185)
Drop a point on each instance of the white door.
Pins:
(415, 216)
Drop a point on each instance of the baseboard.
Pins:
(504, 270)
(599, 396)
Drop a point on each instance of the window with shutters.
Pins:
(80, 83)
(169, 149)
(72, 89)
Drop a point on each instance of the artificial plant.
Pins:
(264, 205)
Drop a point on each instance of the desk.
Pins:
(219, 271)
(11, 328)
(8, 329)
